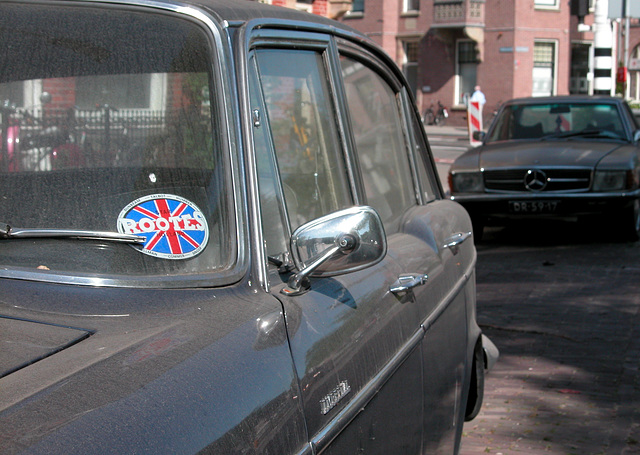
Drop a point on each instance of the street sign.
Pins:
(621, 74)
(615, 9)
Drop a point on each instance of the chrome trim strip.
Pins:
(242, 51)
(451, 295)
(306, 450)
(323, 438)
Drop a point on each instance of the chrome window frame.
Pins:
(282, 34)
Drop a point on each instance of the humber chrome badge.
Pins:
(331, 400)
(173, 227)
(535, 180)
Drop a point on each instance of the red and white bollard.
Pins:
(474, 120)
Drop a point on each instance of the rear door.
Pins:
(355, 345)
(428, 238)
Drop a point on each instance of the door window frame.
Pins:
(309, 41)
(332, 47)
(415, 137)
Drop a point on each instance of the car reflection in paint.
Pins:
(209, 249)
(554, 157)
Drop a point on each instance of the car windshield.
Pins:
(106, 126)
(557, 121)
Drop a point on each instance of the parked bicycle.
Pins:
(439, 117)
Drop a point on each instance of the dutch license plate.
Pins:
(533, 206)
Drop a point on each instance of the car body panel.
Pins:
(141, 353)
(118, 386)
(574, 153)
(442, 305)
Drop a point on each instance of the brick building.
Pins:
(510, 48)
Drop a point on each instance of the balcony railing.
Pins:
(458, 13)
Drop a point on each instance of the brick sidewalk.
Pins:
(566, 319)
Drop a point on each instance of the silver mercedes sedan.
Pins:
(557, 157)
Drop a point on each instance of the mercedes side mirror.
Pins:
(479, 136)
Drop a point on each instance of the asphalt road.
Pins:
(562, 303)
(561, 300)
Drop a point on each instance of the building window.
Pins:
(410, 6)
(410, 63)
(634, 77)
(120, 91)
(305, 5)
(544, 56)
(550, 4)
(580, 64)
(12, 93)
(357, 6)
(467, 70)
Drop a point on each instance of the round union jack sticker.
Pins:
(173, 227)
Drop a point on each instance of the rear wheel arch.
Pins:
(476, 385)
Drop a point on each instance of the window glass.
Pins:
(580, 57)
(123, 91)
(304, 133)
(79, 159)
(543, 68)
(428, 185)
(467, 68)
(411, 5)
(410, 65)
(357, 6)
(380, 141)
(12, 93)
(273, 219)
(562, 119)
(546, 3)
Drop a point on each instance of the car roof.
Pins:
(565, 99)
(234, 11)
(246, 10)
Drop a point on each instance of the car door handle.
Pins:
(407, 282)
(454, 242)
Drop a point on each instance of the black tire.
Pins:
(629, 222)
(476, 385)
(478, 222)
(440, 120)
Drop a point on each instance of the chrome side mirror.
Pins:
(636, 136)
(338, 243)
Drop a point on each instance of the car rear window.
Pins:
(107, 125)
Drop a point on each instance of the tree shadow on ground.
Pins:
(562, 303)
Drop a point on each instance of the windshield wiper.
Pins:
(7, 232)
(584, 133)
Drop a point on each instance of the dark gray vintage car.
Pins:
(223, 233)
(570, 156)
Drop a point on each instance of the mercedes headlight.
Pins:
(611, 180)
(466, 182)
